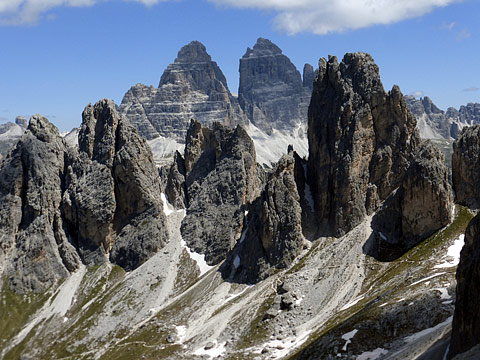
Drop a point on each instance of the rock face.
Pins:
(432, 122)
(221, 178)
(419, 207)
(465, 167)
(193, 87)
(272, 236)
(60, 207)
(465, 329)
(437, 124)
(35, 249)
(271, 91)
(10, 133)
(361, 141)
(121, 211)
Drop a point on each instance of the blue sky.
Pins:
(59, 55)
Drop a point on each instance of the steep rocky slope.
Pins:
(10, 133)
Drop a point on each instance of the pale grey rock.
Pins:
(432, 122)
(175, 183)
(193, 87)
(221, 178)
(114, 195)
(308, 76)
(271, 92)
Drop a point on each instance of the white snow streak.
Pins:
(372, 355)
(348, 338)
(453, 253)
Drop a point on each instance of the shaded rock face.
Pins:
(465, 329)
(191, 87)
(113, 196)
(419, 207)
(271, 92)
(361, 141)
(272, 237)
(175, 183)
(466, 167)
(221, 178)
(35, 248)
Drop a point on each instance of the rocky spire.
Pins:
(271, 91)
(362, 141)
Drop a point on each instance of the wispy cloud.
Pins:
(464, 34)
(326, 16)
(417, 93)
(28, 12)
(471, 89)
(448, 26)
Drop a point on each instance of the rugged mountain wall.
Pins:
(272, 237)
(465, 329)
(466, 167)
(60, 207)
(271, 91)
(437, 124)
(193, 87)
(361, 141)
(35, 249)
(113, 192)
(421, 205)
(466, 179)
(222, 176)
(364, 150)
(10, 133)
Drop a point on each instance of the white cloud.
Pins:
(417, 94)
(448, 26)
(27, 12)
(471, 89)
(325, 16)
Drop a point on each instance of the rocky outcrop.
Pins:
(10, 133)
(361, 141)
(437, 124)
(193, 87)
(113, 196)
(35, 248)
(419, 207)
(308, 76)
(272, 236)
(432, 122)
(271, 91)
(466, 167)
(465, 329)
(221, 178)
(175, 182)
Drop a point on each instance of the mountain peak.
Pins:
(194, 52)
(263, 47)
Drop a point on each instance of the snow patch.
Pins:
(427, 278)
(199, 258)
(372, 355)
(453, 253)
(348, 338)
(443, 293)
(420, 334)
(281, 348)
(236, 262)
(166, 205)
(351, 303)
(270, 148)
